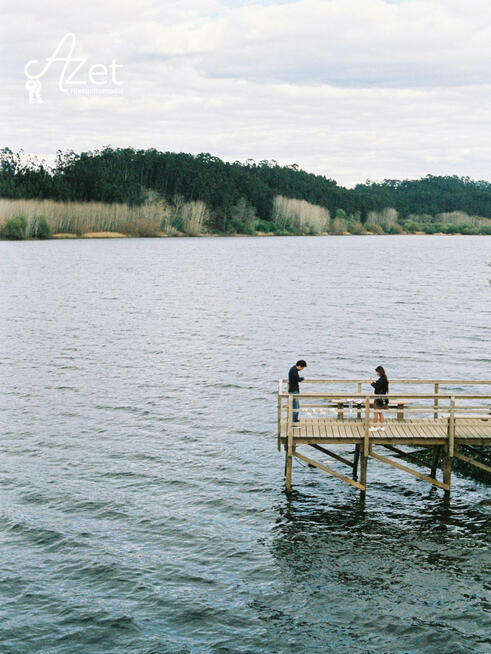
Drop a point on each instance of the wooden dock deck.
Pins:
(450, 420)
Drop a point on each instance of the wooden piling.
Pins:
(434, 460)
(289, 448)
(446, 469)
(356, 458)
(448, 449)
(365, 450)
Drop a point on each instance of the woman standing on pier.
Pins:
(381, 387)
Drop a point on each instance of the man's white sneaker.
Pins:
(373, 429)
(381, 429)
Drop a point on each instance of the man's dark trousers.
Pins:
(296, 405)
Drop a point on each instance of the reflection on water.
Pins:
(375, 582)
(142, 506)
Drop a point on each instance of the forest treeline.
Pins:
(198, 193)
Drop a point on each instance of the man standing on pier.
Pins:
(293, 387)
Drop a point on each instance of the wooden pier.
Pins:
(452, 418)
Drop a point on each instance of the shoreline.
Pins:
(119, 235)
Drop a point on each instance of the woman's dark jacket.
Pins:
(381, 387)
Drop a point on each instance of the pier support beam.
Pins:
(472, 462)
(321, 466)
(415, 473)
(332, 454)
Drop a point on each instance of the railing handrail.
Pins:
(445, 382)
(399, 396)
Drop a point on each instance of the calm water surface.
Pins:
(142, 507)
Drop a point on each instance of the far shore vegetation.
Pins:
(137, 193)
(43, 219)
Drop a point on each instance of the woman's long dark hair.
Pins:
(382, 372)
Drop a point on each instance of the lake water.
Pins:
(142, 505)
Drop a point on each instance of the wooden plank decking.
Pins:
(435, 432)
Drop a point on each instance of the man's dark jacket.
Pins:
(293, 379)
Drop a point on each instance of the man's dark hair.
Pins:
(301, 363)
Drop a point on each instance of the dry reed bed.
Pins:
(158, 218)
(150, 219)
(301, 214)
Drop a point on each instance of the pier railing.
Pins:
(434, 401)
(455, 409)
(344, 402)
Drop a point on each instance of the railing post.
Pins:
(279, 419)
(451, 428)
(366, 441)
(289, 447)
(400, 412)
(280, 406)
(435, 407)
(358, 413)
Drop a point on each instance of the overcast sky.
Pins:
(352, 89)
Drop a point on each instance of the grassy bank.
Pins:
(41, 219)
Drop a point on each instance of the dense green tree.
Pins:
(432, 195)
